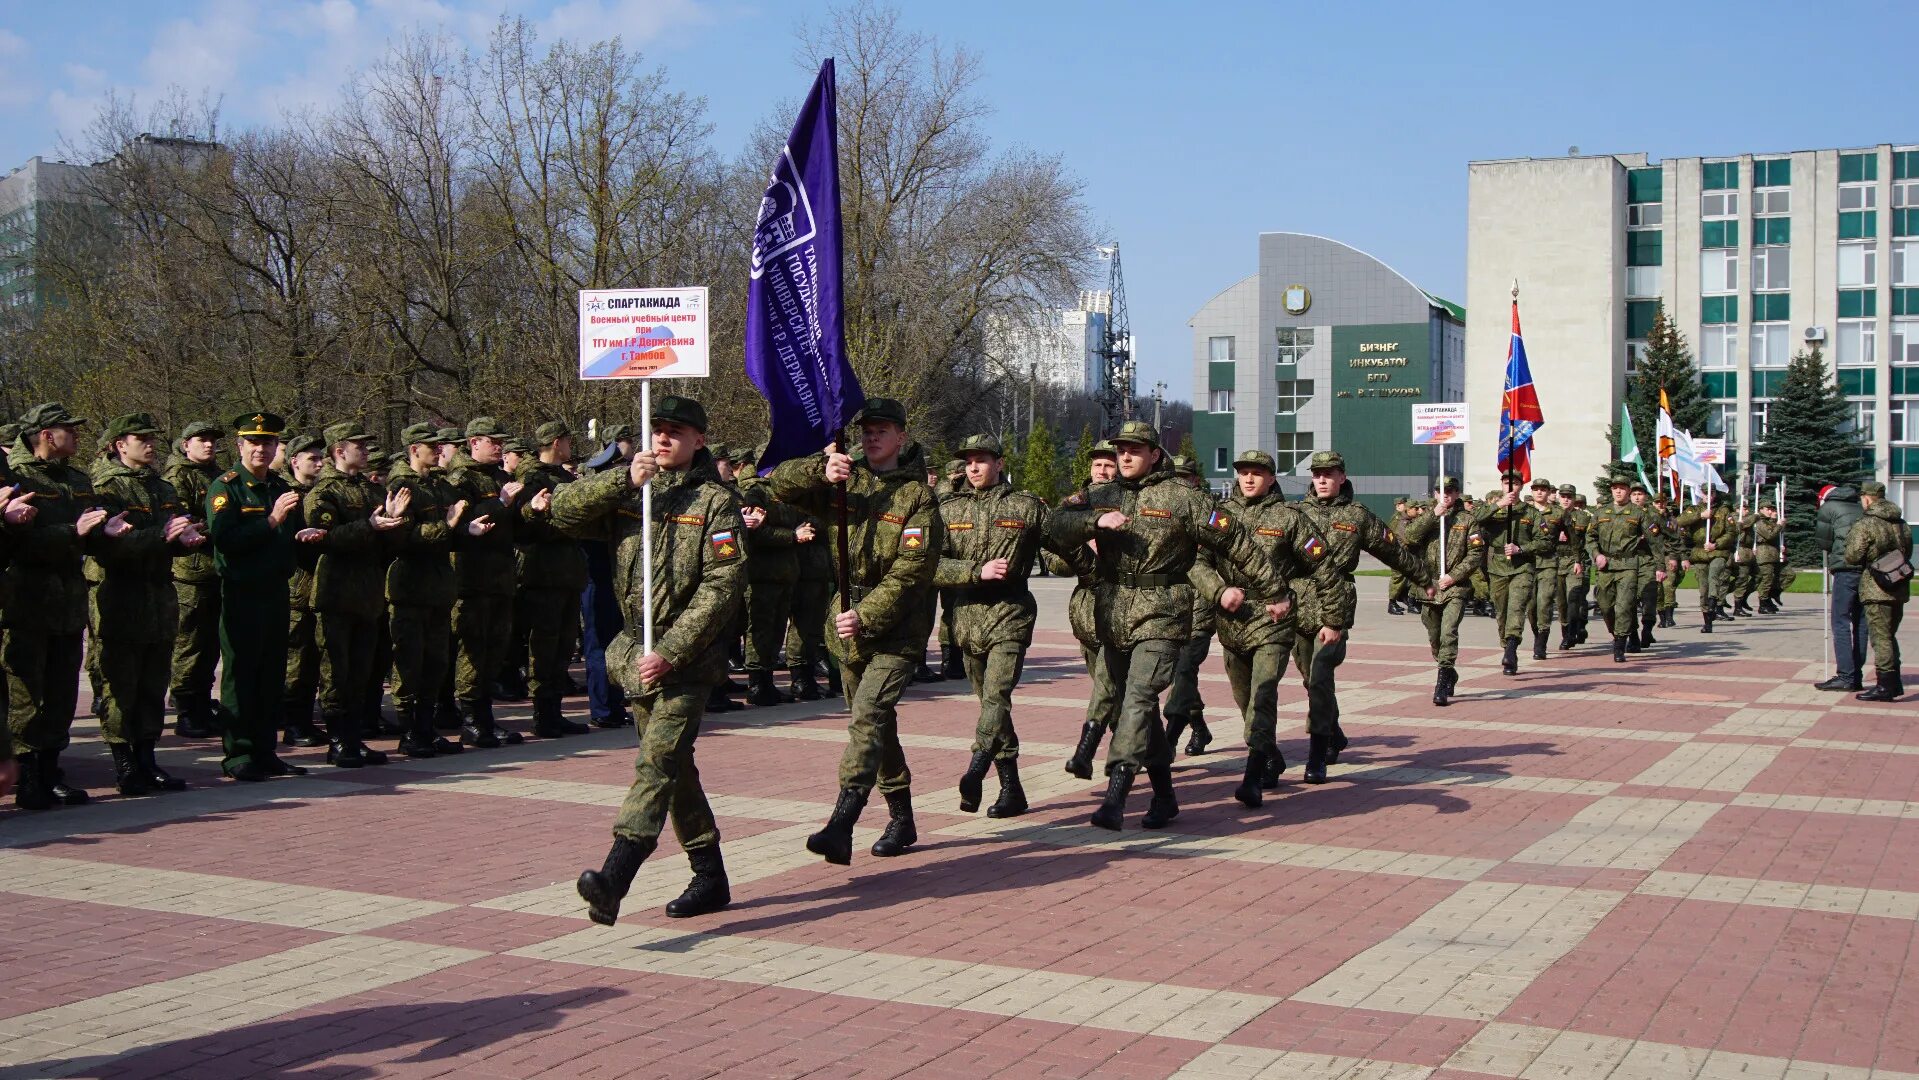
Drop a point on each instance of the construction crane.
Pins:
(1116, 351)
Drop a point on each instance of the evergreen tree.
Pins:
(1039, 464)
(1810, 442)
(1082, 458)
(1010, 458)
(1667, 363)
(1186, 447)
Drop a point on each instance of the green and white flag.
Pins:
(1629, 446)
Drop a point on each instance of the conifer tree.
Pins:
(1810, 442)
(1667, 363)
(1082, 466)
(1039, 464)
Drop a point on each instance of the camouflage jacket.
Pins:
(1289, 544)
(998, 523)
(893, 540)
(47, 579)
(1765, 540)
(1692, 526)
(421, 573)
(349, 578)
(1465, 552)
(1628, 536)
(699, 565)
(485, 565)
(1522, 524)
(1571, 542)
(190, 483)
(1877, 532)
(772, 550)
(1349, 529)
(306, 558)
(1145, 590)
(548, 558)
(1083, 567)
(132, 597)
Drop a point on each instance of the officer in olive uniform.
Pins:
(485, 569)
(132, 611)
(1765, 556)
(698, 585)
(1625, 539)
(1256, 646)
(254, 521)
(1148, 529)
(1880, 532)
(1514, 539)
(552, 576)
(196, 645)
(894, 538)
(1465, 551)
(1574, 566)
(1184, 706)
(420, 587)
(306, 457)
(1102, 708)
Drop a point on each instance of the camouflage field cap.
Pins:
(1641, 488)
(1184, 466)
(1327, 459)
(206, 429)
(955, 466)
(1449, 485)
(720, 451)
(1104, 448)
(980, 444)
(1513, 475)
(1541, 483)
(513, 444)
(419, 433)
(449, 436)
(1136, 431)
(486, 426)
(680, 410)
(613, 433)
(551, 432)
(9, 434)
(52, 414)
(1568, 491)
(345, 431)
(377, 460)
(881, 408)
(305, 444)
(260, 425)
(746, 455)
(1873, 488)
(138, 423)
(1255, 459)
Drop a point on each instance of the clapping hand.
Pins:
(286, 504)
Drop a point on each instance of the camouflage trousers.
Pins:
(1254, 677)
(1482, 586)
(422, 642)
(666, 783)
(1768, 579)
(552, 616)
(1545, 595)
(1318, 663)
(43, 687)
(1882, 628)
(347, 647)
(482, 632)
(1140, 675)
(1618, 599)
(1397, 587)
(1655, 594)
(196, 641)
(1712, 580)
(1572, 599)
(994, 673)
(133, 677)
(806, 635)
(1103, 707)
(873, 754)
(303, 663)
(1182, 698)
(767, 606)
(1512, 603)
(1442, 628)
(1744, 578)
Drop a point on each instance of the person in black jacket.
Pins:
(1839, 510)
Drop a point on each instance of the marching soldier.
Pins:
(421, 588)
(196, 644)
(1709, 533)
(485, 568)
(1574, 566)
(697, 589)
(1397, 591)
(1549, 518)
(1765, 556)
(133, 610)
(1880, 532)
(1742, 569)
(1514, 540)
(305, 459)
(552, 575)
(1256, 646)
(1102, 708)
(1184, 706)
(1626, 538)
(254, 522)
(1465, 551)
(952, 663)
(1148, 529)
(879, 637)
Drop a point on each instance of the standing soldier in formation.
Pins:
(1514, 540)
(421, 589)
(697, 588)
(1320, 645)
(1257, 646)
(599, 603)
(552, 574)
(1708, 532)
(305, 458)
(1148, 529)
(806, 652)
(132, 609)
(1549, 518)
(1765, 556)
(893, 543)
(993, 538)
(1184, 706)
(1878, 533)
(196, 644)
(1464, 553)
(485, 568)
(1102, 708)
(1625, 540)
(1574, 566)
(775, 532)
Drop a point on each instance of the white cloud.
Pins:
(205, 51)
(15, 88)
(637, 22)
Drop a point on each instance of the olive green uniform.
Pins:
(131, 610)
(1575, 574)
(349, 596)
(772, 573)
(1550, 521)
(1512, 576)
(1465, 553)
(1709, 567)
(420, 589)
(254, 560)
(1765, 556)
(196, 643)
(552, 574)
(303, 630)
(1629, 539)
(485, 570)
(46, 614)
(1879, 531)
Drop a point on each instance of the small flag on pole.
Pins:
(1629, 445)
(1519, 414)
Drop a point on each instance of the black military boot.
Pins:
(1081, 763)
(619, 719)
(1618, 650)
(834, 843)
(1316, 760)
(764, 691)
(1201, 738)
(1335, 744)
(1740, 607)
(157, 778)
(193, 718)
(1393, 608)
(1767, 607)
(708, 891)
(1645, 633)
(447, 715)
(300, 730)
(1275, 764)
(972, 782)
(1633, 644)
(1565, 637)
(425, 733)
(717, 700)
(550, 723)
(419, 740)
(1112, 809)
(1443, 687)
(126, 771)
(1539, 644)
(478, 731)
(1509, 660)
(1175, 727)
(952, 662)
(1012, 796)
(1248, 791)
(57, 785)
(1164, 808)
(899, 833)
(31, 793)
(387, 724)
(805, 686)
(510, 686)
(1413, 607)
(1706, 626)
(603, 889)
(1888, 688)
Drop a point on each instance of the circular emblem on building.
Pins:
(1297, 299)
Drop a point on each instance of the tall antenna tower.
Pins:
(1116, 352)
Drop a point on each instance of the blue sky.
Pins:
(1193, 126)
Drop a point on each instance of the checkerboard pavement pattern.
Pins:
(1689, 866)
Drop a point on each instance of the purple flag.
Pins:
(795, 330)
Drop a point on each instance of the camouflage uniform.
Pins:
(303, 640)
(1627, 538)
(1655, 596)
(1465, 553)
(772, 573)
(1184, 706)
(1512, 575)
(1575, 569)
(420, 593)
(349, 581)
(1878, 532)
(1765, 558)
(485, 568)
(1550, 521)
(1696, 526)
(196, 644)
(552, 575)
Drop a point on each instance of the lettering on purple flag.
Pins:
(795, 327)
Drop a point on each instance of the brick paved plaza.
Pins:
(1689, 866)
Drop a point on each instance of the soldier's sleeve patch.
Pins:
(1077, 498)
(1476, 540)
(1218, 521)
(1389, 535)
(894, 519)
(220, 502)
(726, 546)
(1315, 548)
(688, 519)
(1264, 531)
(1010, 523)
(912, 537)
(1345, 526)
(1154, 513)
(324, 519)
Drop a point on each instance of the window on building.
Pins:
(1758, 419)
(1719, 204)
(1635, 352)
(1719, 175)
(1642, 282)
(1718, 347)
(1859, 265)
(1905, 263)
(1902, 420)
(1724, 418)
(1718, 271)
(1294, 448)
(1222, 459)
(1863, 411)
(1222, 401)
(1771, 345)
(1905, 194)
(1772, 202)
(1292, 396)
(1219, 350)
(1858, 342)
(1858, 196)
(1771, 269)
(1905, 342)
(1294, 343)
(1644, 216)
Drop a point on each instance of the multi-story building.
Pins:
(1755, 256)
(1059, 347)
(32, 198)
(1324, 347)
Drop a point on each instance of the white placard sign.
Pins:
(1440, 425)
(643, 333)
(1711, 451)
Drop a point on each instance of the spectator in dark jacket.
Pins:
(1839, 510)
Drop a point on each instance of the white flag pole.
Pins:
(646, 524)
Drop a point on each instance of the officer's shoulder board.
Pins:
(229, 476)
